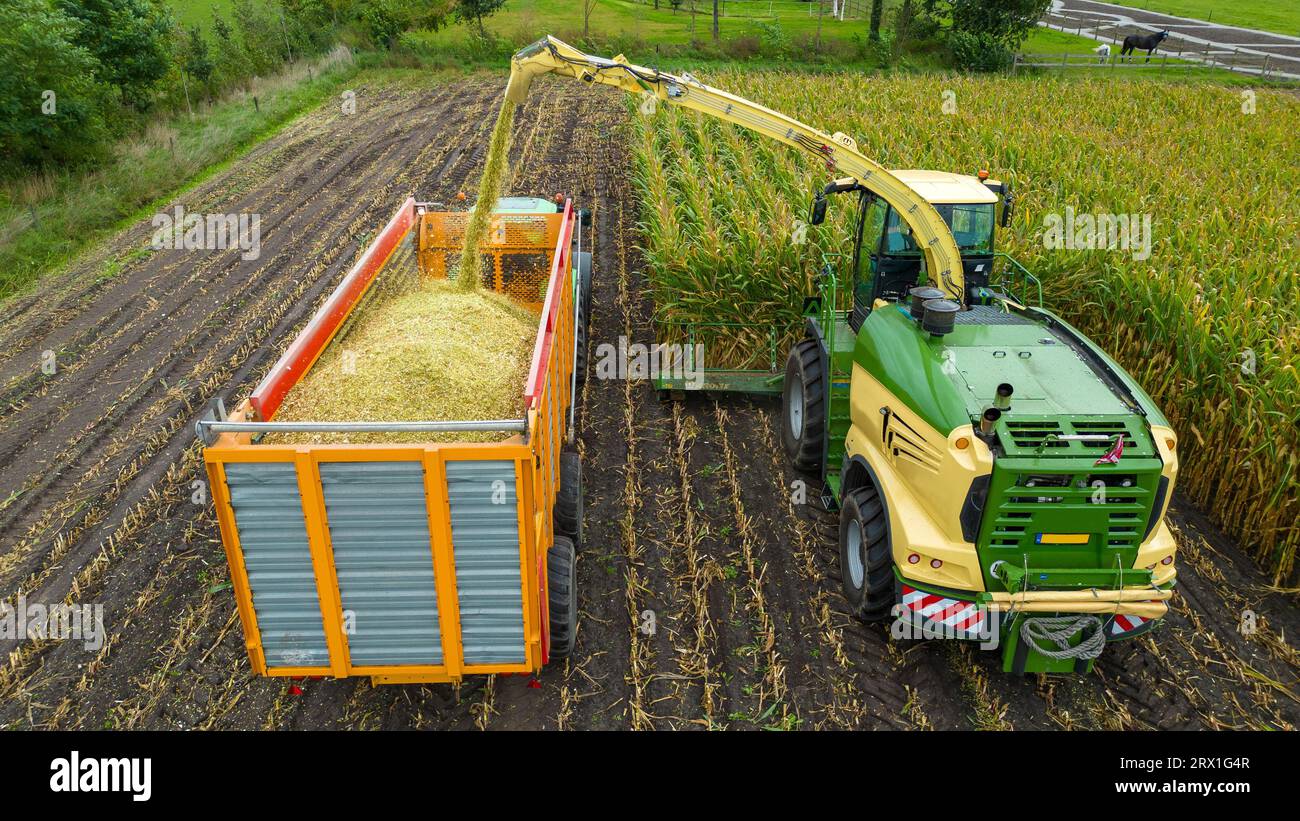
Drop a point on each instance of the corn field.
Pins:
(1207, 323)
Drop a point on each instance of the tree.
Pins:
(260, 37)
(309, 24)
(385, 20)
(877, 11)
(130, 41)
(587, 6)
(1008, 22)
(231, 60)
(477, 10)
(817, 44)
(715, 21)
(50, 101)
(198, 62)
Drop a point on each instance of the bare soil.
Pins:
(709, 598)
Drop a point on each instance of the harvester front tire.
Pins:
(866, 557)
(803, 408)
(569, 498)
(562, 596)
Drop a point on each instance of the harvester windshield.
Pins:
(971, 224)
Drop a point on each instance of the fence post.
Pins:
(1263, 72)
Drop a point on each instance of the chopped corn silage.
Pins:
(489, 188)
(433, 354)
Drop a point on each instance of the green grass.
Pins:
(199, 12)
(635, 20)
(1282, 16)
(1050, 41)
(75, 210)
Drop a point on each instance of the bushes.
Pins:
(978, 52)
(50, 103)
(75, 74)
(130, 41)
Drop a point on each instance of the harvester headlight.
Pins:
(914, 558)
(1167, 560)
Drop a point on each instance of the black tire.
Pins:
(580, 353)
(569, 498)
(803, 407)
(866, 557)
(562, 596)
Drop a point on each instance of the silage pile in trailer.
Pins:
(435, 353)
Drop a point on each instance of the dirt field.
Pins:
(689, 518)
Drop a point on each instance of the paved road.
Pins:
(1240, 49)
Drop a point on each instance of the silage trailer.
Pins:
(426, 561)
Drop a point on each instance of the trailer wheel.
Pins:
(562, 596)
(580, 353)
(866, 558)
(803, 419)
(583, 260)
(569, 498)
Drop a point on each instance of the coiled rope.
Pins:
(1059, 630)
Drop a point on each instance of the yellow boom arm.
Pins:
(839, 151)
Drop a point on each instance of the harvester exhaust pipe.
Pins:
(1003, 399)
(988, 420)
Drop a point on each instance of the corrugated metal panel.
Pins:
(273, 539)
(379, 529)
(485, 543)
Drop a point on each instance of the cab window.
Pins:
(971, 225)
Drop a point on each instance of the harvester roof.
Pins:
(945, 187)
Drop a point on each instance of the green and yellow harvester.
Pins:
(998, 477)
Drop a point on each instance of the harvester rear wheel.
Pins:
(562, 596)
(803, 409)
(569, 498)
(866, 558)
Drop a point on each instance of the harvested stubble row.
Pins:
(435, 353)
(1207, 322)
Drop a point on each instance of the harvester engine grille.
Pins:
(1049, 503)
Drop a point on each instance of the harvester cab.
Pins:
(887, 262)
(998, 477)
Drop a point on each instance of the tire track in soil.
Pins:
(128, 362)
(369, 210)
(252, 320)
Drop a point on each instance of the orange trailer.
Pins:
(413, 562)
